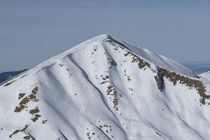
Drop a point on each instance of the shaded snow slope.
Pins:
(105, 89)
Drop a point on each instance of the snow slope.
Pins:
(205, 77)
(105, 89)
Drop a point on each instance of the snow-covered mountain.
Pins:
(105, 89)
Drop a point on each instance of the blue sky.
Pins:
(32, 31)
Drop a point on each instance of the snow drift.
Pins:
(105, 89)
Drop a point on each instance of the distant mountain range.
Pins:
(198, 68)
(6, 75)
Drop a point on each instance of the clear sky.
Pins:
(32, 31)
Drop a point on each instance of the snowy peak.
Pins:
(104, 41)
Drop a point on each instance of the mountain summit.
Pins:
(103, 89)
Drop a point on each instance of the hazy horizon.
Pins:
(34, 31)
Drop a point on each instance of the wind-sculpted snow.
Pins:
(105, 89)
